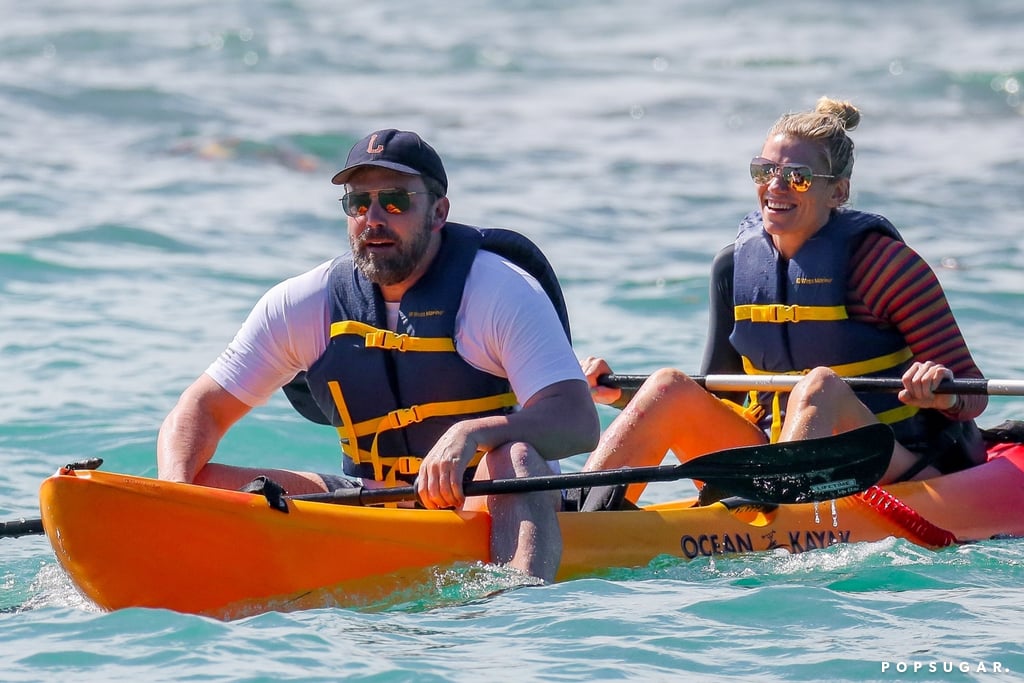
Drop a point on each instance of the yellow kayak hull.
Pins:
(130, 541)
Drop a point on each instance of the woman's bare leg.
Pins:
(670, 412)
(822, 404)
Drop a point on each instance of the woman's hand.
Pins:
(593, 368)
(919, 383)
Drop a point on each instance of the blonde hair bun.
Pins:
(848, 114)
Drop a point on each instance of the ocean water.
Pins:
(163, 163)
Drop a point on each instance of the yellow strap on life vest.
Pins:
(750, 369)
(346, 432)
(873, 365)
(394, 465)
(781, 313)
(776, 430)
(897, 414)
(396, 419)
(404, 464)
(855, 369)
(375, 338)
(350, 433)
(752, 412)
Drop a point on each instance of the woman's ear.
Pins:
(840, 193)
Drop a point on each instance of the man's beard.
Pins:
(399, 263)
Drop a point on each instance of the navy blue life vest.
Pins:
(391, 395)
(790, 315)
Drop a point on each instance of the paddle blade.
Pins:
(800, 471)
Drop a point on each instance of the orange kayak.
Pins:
(129, 541)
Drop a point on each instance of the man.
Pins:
(427, 352)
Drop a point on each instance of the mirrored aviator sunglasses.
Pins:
(797, 176)
(393, 201)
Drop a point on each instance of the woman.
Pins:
(810, 287)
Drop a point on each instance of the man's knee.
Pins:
(514, 460)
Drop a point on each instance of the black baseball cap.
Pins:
(398, 150)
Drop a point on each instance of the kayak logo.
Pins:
(715, 544)
(802, 541)
(796, 541)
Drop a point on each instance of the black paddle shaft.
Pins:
(792, 472)
(21, 527)
(33, 526)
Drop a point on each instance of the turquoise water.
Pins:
(163, 163)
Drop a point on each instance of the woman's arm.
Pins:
(719, 355)
(893, 284)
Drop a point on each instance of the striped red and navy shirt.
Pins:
(890, 284)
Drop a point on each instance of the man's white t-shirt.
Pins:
(505, 325)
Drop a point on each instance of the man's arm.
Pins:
(511, 329)
(191, 431)
(558, 421)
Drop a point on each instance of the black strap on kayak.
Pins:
(596, 499)
(269, 489)
(88, 464)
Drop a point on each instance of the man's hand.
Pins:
(439, 482)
